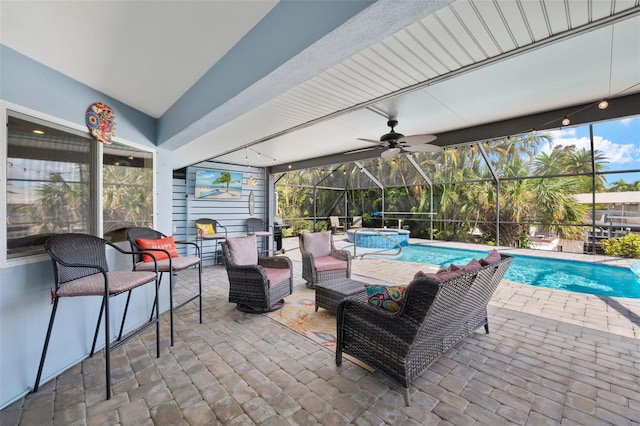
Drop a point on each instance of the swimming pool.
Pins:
(583, 277)
(375, 237)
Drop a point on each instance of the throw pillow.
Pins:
(388, 298)
(206, 228)
(243, 250)
(492, 257)
(474, 265)
(451, 268)
(166, 243)
(435, 275)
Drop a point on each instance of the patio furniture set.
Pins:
(429, 315)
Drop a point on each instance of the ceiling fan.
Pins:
(397, 142)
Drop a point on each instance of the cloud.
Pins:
(616, 153)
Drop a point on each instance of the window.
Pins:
(52, 181)
(127, 193)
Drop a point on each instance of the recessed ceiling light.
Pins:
(566, 121)
(603, 104)
(38, 132)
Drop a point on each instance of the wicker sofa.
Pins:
(435, 315)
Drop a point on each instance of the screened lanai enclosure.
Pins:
(539, 190)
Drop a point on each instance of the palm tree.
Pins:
(546, 164)
(621, 185)
(60, 207)
(567, 160)
(225, 178)
(126, 200)
(555, 204)
(579, 162)
(516, 201)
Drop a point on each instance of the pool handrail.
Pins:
(378, 253)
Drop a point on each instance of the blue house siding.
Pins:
(25, 284)
(233, 214)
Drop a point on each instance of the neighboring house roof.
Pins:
(625, 197)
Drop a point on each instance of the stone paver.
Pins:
(552, 357)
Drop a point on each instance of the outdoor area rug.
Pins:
(299, 315)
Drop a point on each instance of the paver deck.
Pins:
(552, 357)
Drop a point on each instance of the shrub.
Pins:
(627, 246)
(302, 225)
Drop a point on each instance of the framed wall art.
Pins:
(218, 184)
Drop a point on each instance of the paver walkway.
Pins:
(552, 357)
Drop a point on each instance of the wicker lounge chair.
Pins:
(321, 261)
(256, 283)
(434, 316)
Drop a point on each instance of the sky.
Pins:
(618, 140)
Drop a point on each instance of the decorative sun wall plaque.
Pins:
(100, 121)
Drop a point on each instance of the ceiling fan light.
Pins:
(390, 153)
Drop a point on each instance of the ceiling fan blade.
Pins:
(370, 140)
(423, 148)
(355, 151)
(417, 139)
(390, 153)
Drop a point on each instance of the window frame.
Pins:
(95, 184)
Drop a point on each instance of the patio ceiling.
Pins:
(439, 67)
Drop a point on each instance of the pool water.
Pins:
(372, 238)
(583, 277)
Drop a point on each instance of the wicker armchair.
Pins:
(321, 261)
(434, 316)
(256, 283)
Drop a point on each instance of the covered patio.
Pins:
(552, 357)
(276, 97)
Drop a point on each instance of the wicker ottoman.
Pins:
(330, 293)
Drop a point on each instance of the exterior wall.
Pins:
(25, 283)
(232, 214)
